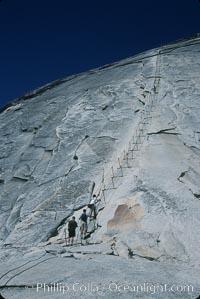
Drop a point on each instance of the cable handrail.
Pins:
(136, 140)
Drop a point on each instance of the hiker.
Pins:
(92, 206)
(72, 225)
(83, 219)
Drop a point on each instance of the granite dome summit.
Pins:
(129, 132)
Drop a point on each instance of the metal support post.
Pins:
(113, 175)
(124, 155)
(113, 183)
(120, 167)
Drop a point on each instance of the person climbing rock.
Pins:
(84, 226)
(92, 206)
(72, 225)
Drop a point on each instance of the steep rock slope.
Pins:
(55, 144)
(158, 206)
(128, 132)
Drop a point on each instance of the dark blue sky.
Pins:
(44, 40)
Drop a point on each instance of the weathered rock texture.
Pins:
(133, 125)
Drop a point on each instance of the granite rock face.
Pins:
(128, 132)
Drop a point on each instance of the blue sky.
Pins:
(44, 40)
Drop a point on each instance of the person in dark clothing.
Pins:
(72, 225)
(84, 227)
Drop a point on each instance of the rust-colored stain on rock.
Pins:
(126, 217)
